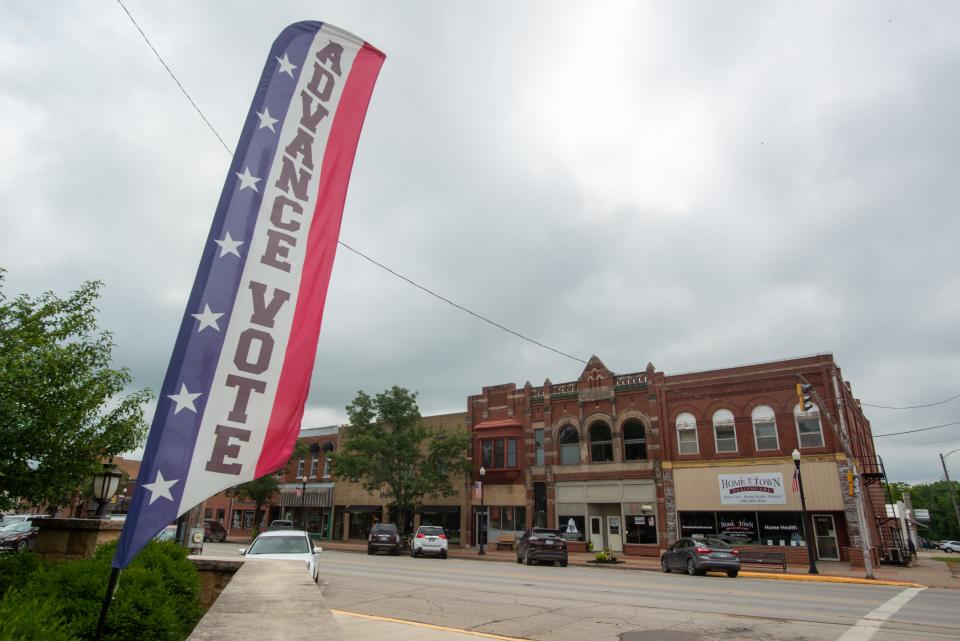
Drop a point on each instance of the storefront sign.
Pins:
(762, 488)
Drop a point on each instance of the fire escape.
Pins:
(893, 549)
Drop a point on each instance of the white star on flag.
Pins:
(266, 120)
(184, 399)
(247, 179)
(160, 489)
(286, 66)
(228, 246)
(207, 319)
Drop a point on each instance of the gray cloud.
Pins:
(693, 186)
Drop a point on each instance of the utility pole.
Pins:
(953, 494)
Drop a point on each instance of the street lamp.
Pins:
(482, 530)
(953, 495)
(105, 485)
(303, 503)
(803, 505)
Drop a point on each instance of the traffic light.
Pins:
(805, 396)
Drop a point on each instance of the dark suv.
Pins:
(384, 536)
(213, 531)
(539, 544)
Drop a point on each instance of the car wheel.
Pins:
(369, 550)
(733, 573)
(443, 554)
(563, 563)
(526, 558)
(22, 546)
(664, 565)
(691, 568)
(519, 560)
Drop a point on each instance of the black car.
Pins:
(540, 544)
(698, 556)
(384, 536)
(18, 537)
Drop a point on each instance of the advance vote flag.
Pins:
(233, 396)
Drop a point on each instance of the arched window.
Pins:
(327, 459)
(569, 446)
(601, 442)
(724, 431)
(634, 440)
(765, 428)
(687, 433)
(809, 431)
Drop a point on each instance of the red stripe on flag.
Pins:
(294, 383)
(796, 480)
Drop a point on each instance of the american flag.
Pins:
(796, 481)
(477, 490)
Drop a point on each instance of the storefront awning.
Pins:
(507, 422)
(363, 508)
(439, 509)
(314, 497)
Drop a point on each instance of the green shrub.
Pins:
(157, 597)
(15, 570)
(602, 556)
(24, 619)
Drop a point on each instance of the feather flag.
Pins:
(232, 400)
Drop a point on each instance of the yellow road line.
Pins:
(822, 578)
(430, 626)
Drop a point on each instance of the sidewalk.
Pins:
(927, 572)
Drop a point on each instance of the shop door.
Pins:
(826, 534)
(613, 534)
(596, 532)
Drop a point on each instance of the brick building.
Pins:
(631, 462)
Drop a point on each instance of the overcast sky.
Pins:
(694, 184)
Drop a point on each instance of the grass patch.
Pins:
(947, 559)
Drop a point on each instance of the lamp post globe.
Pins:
(482, 529)
(803, 514)
(105, 485)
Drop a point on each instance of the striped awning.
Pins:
(314, 497)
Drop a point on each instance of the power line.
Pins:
(922, 429)
(910, 407)
(150, 44)
(340, 242)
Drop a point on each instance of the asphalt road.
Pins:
(597, 604)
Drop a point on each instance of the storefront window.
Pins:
(569, 446)
(601, 443)
(737, 528)
(634, 440)
(572, 527)
(641, 529)
(781, 528)
(765, 428)
(724, 430)
(498, 453)
(697, 524)
(511, 452)
(486, 454)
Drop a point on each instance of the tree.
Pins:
(386, 446)
(259, 491)
(935, 497)
(62, 405)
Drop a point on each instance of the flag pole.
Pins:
(111, 586)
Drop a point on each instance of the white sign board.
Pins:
(762, 488)
(922, 515)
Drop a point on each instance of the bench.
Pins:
(756, 557)
(506, 540)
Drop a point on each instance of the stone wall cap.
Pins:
(78, 524)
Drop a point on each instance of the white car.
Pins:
(429, 539)
(286, 545)
(950, 546)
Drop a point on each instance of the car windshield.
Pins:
(384, 528)
(23, 526)
(279, 545)
(717, 543)
(546, 533)
(431, 531)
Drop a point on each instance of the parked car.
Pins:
(950, 546)
(540, 544)
(698, 557)
(281, 524)
(169, 533)
(213, 531)
(429, 539)
(384, 536)
(285, 545)
(18, 537)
